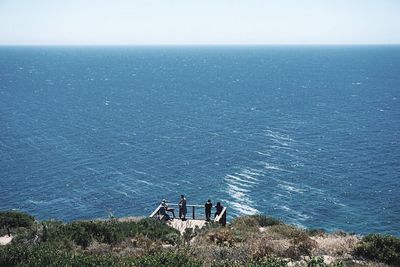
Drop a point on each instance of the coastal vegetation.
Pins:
(247, 241)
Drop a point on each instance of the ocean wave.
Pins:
(121, 192)
(270, 166)
(278, 136)
(144, 182)
(239, 185)
(297, 214)
(46, 202)
(238, 179)
(237, 182)
(139, 172)
(247, 176)
(290, 188)
(283, 147)
(242, 208)
(262, 153)
(237, 188)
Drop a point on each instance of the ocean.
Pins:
(307, 134)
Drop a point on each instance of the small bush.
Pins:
(272, 262)
(83, 233)
(301, 246)
(13, 219)
(221, 237)
(264, 221)
(316, 232)
(154, 229)
(316, 262)
(382, 248)
(245, 223)
(167, 259)
(50, 255)
(286, 231)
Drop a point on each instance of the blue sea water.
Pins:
(306, 134)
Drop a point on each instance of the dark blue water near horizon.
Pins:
(306, 134)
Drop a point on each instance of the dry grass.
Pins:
(335, 245)
(134, 247)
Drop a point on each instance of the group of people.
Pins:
(208, 207)
(165, 209)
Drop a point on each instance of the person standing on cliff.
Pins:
(207, 208)
(182, 208)
(218, 208)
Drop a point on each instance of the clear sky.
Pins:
(139, 22)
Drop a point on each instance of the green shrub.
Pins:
(316, 232)
(264, 221)
(382, 248)
(269, 262)
(319, 262)
(14, 219)
(154, 229)
(301, 245)
(273, 262)
(167, 259)
(316, 262)
(53, 231)
(83, 233)
(286, 231)
(51, 255)
(244, 223)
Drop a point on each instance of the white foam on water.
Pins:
(238, 179)
(47, 202)
(278, 136)
(269, 166)
(237, 183)
(145, 182)
(289, 188)
(282, 147)
(283, 143)
(297, 214)
(115, 173)
(139, 172)
(37, 202)
(244, 175)
(262, 153)
(125, 144)
(238, 189)
(252, 171)
(121, 192)
(236, 195)
(242, 208)
(315, 190)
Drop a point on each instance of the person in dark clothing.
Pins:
(207, 208)
(182, 208)
(167, 208)
(164, 214)
(218, 208)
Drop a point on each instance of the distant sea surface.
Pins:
(306, 134)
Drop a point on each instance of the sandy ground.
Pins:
(4, 240)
